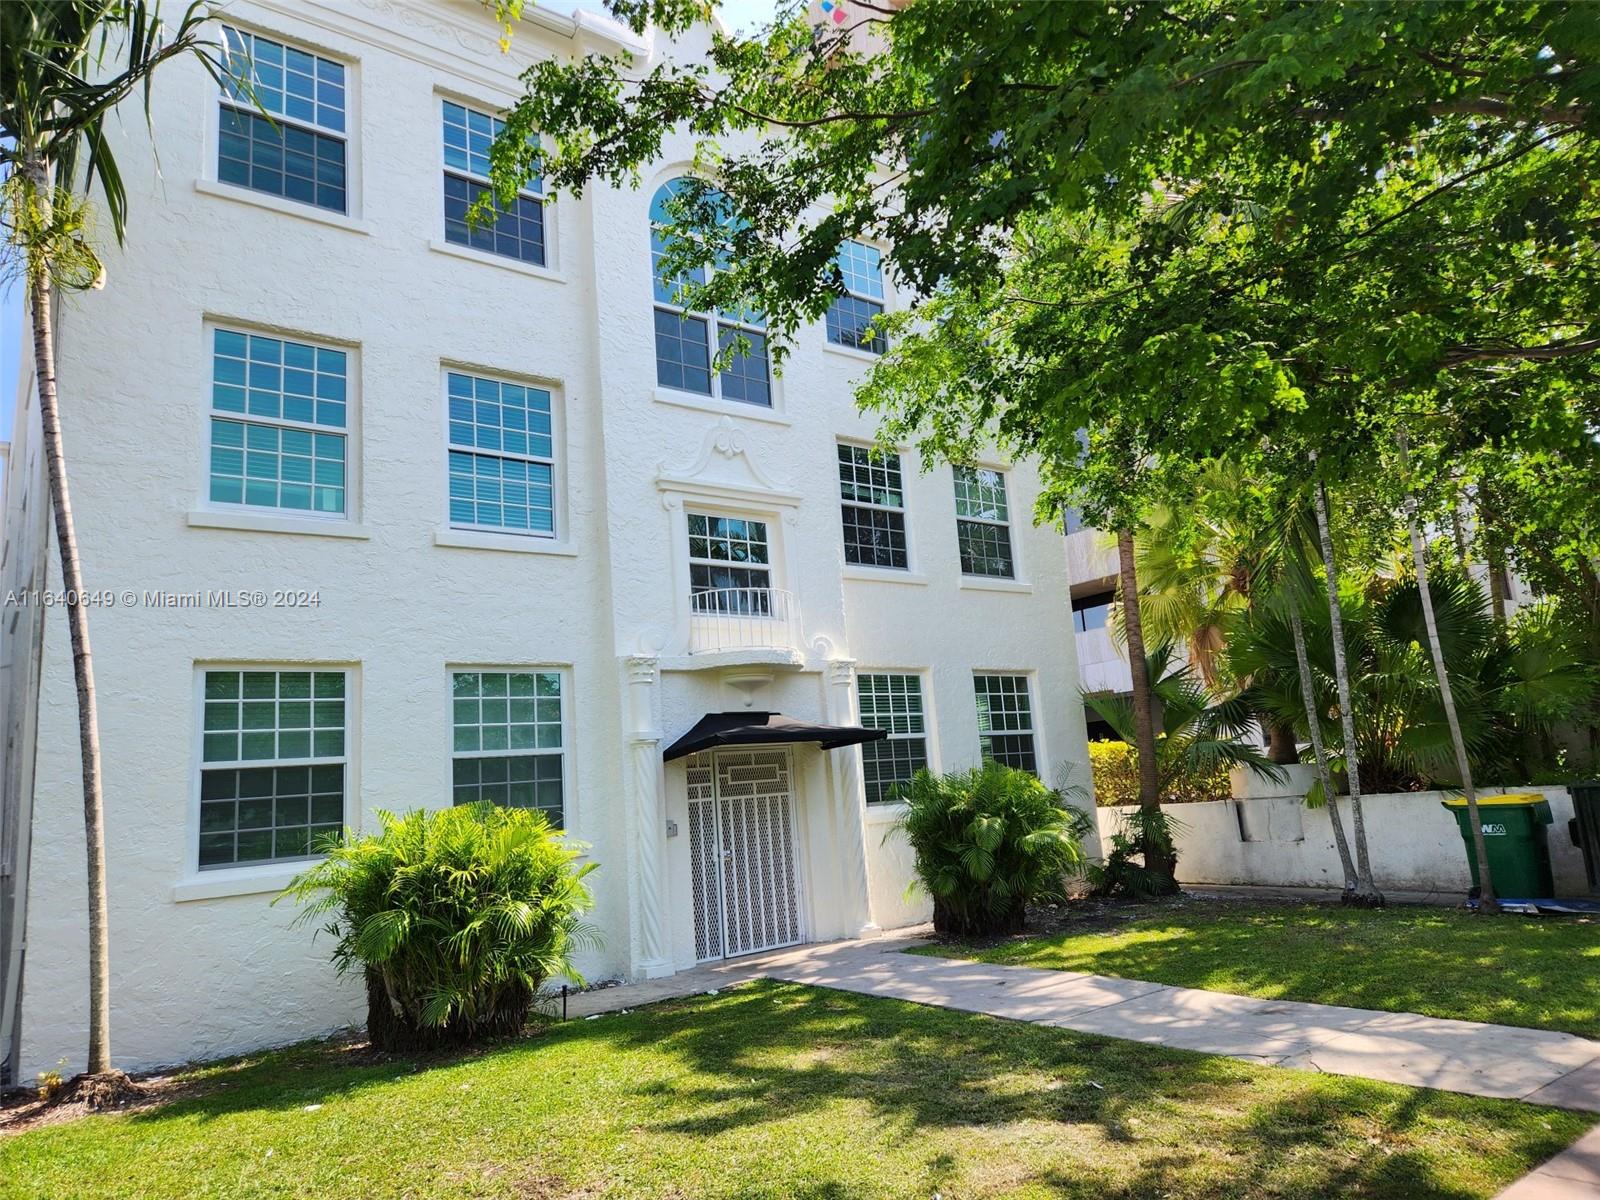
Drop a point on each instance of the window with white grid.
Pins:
(273, 756)
(873, 507)
(687, 342)
(893, 703)
(850, 316)
(507, 740)
(730, 567)
(983, 523)
(501, 456)
(1005, 720)
(518, 231)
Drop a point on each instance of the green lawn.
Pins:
(1544, 974)
(781, 1090)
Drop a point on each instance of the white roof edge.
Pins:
(606, 29)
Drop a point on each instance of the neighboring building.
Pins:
(389, 513)
(1092, 585)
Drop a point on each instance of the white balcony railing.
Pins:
(747, 618)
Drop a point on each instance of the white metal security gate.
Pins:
(742, 853)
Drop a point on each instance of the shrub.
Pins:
(1116, 778)
(987, 841)
(455, 917)
(1123, 872)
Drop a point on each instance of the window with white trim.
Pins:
(983, 523)
(507, 740)
(519, 230)
(872, 507)
(301, 152)
(273, 764)
(687, 342)
(279, 415)
(893, 703)
(730, 565)
(1005, 720)
(501, 456)
(850, 316)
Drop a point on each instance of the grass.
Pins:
(1543, 974)
(774, 1090)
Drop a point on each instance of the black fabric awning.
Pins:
(764, 729)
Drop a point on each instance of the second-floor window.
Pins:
(1005, 720)
(1091, 612)
(502, 456)
(983, 523)
(873, 507)
(730, 565)
(850, 316)
(892, 703)
(687, 342)
(517, 232)
(278, 419)
(506, 740)
(300, 153)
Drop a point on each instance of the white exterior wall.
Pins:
(202, 963)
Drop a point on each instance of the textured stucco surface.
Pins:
(201, 976)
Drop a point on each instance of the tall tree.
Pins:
(1158, 858)
(65, 65)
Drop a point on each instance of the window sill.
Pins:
(883, 575)
(477, 539)
(496, 260)
(237, 881)
(252, 522)
(725, 408)
(977, 583)
(886, 813)
(860, 356)
(291, 208)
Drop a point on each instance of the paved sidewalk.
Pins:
(1458, 1056)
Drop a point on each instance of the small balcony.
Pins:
(745, 624)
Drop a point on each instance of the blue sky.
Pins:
(739, 14)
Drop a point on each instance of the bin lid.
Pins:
(1517, 799)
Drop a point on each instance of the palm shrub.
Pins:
(455, 917)
(987, 841)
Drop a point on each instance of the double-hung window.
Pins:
(894, 703)
(272, 764)
(873, 507)
(502, 456)
(300, 152)
(687, 342)
(1005, 720)
(730, 567)
(518, 231)
(279, 415)
(850, 316)
(507, 743)
(983, 523)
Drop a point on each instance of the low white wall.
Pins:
(889, 870)
(1278, 841)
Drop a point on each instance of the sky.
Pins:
(741, 15)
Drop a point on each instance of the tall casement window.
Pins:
(686, 342)
(272, 764)
(983, 523)
(300, 153)
(850, 316)
(730, 565)
(1005, 720)
(873, 507)
(518, 232)
(892, 702)
(502, 456)
(507, 740)
(279, 414)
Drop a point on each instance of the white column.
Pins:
(849, 804)
(647, 782)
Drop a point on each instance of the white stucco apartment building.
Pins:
(386, 513)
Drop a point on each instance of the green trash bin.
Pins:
(1514, 838)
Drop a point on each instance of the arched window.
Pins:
(686, 342)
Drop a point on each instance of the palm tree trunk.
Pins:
(1486, 897)
(1313, 722)
(1144, 731)
(1366, 890)
(44, 354)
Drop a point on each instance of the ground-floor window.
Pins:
(1005, 720)
(894, 703)
(273, 764)
(508, 740)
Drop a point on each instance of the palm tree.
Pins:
(65, 65)
(1158, 856)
